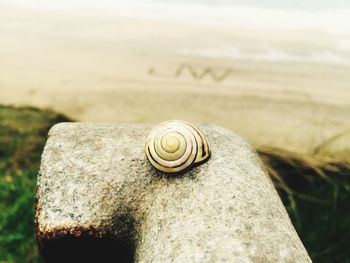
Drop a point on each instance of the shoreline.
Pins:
(91, 69)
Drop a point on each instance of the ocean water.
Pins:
(270, 4)
(333, 20)
(329, 15)
(326, 16)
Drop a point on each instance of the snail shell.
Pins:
(174, 146)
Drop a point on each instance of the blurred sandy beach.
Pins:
(277, 78)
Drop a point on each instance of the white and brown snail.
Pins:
(175, 146)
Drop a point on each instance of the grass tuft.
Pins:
(316, 192)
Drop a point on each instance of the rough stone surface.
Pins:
(95, 182)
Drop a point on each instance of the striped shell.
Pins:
(174, 146)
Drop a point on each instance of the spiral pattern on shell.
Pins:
(174, 146)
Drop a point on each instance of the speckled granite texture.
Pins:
(95, 183)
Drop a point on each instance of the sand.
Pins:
(99, 68)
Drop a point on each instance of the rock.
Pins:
(98, 196)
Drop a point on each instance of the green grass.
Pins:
(22, 137)
(315, 190)
(316, 193)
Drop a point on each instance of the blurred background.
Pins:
(275, 72)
